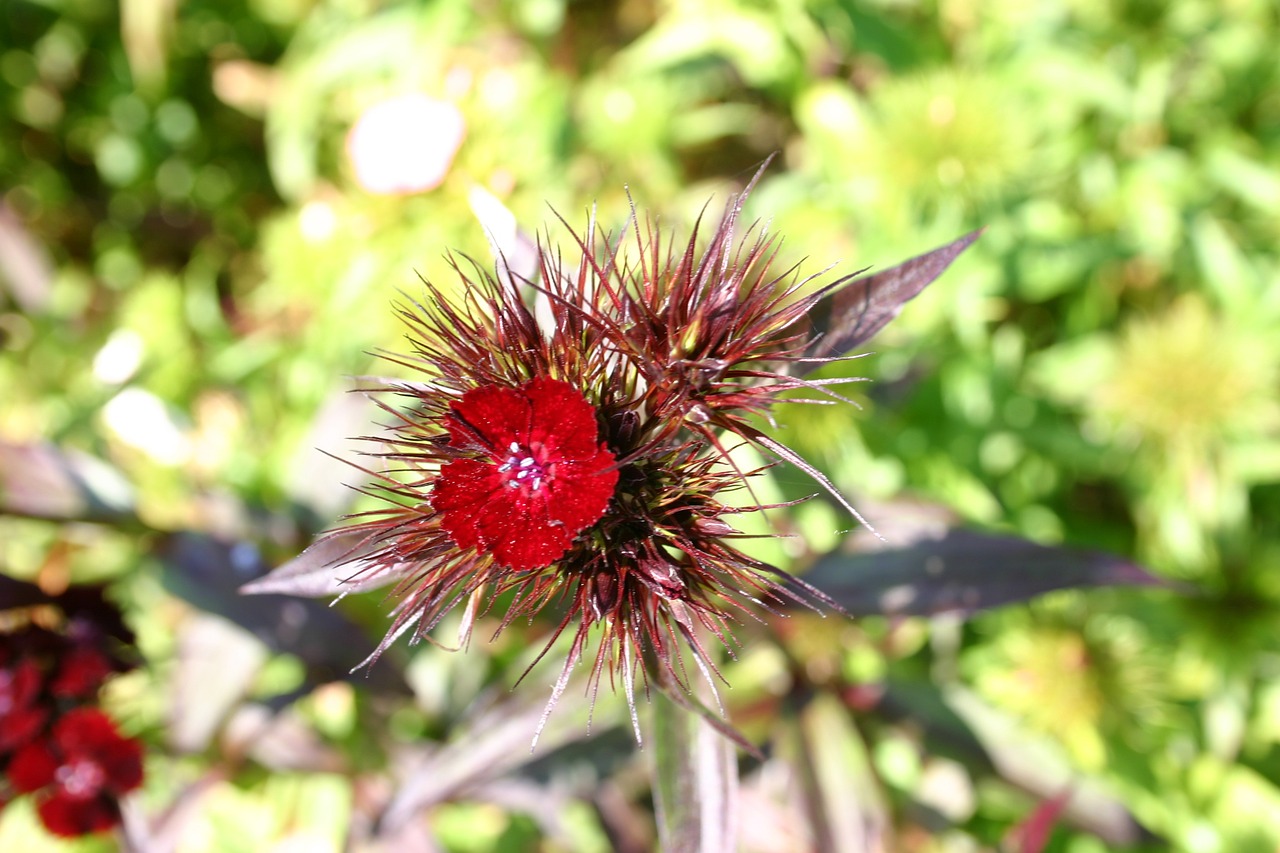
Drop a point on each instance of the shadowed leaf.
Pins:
(855, 312)
(922, 704)
(86, 604)
(964, 572)
(208, 574)
(15, 593)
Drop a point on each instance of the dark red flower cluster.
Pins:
(569, 443)
(54, 744)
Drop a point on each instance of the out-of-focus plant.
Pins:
(188, 264)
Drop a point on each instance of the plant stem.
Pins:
(695, 781)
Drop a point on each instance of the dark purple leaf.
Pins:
(852, 314)
(209, 573)
(327, 567)
(963, 572)
(920, 704)
(15, 593)
(43, 481)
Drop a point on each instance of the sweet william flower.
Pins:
(79, 773)
(81, 671)
(567, 441)
(22, 717)
(539, 477)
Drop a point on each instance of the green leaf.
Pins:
(845, 804)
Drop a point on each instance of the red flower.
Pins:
(540, 476)
(79, 773)
(568, 440)
(80, 673)
(21, 718)
(579, 453)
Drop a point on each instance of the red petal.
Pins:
(80, 673)
(479, 512)
(490, 418)
(87, 733)
(18, 728)
(83, 729)
(70, 818)
(524, 528)
(32, 768)
(525, 538)
(21, 720)
(562, 419)
(465, 489)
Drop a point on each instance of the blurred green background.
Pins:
(195, 258)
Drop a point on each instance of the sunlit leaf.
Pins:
(216, 665)
(1033, 833)
(846, 807)
(43, 481)
(492, 742)
(25, 267)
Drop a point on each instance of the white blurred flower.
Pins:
(405, 144)
(119, 358)
(141, 420)
(318, 221)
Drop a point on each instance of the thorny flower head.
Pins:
(567, 441)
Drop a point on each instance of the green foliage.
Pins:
(192, 268)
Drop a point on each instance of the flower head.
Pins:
(569, 440)
(78, 773)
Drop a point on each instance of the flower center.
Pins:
(80, 778)
(522, 469)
